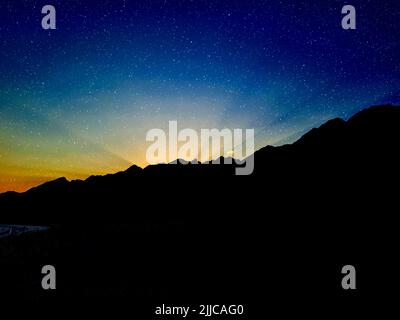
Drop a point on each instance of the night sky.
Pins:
(79, 100)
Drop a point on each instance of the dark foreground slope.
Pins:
(197, 233)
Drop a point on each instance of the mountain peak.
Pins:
(133, 169)
(57, 184)
(331, 128)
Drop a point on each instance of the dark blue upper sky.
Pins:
(82, 97)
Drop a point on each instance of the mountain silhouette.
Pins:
(197, 230)
(364, 146)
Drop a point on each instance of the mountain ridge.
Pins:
(332, 132)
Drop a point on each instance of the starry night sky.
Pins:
(79, 100)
